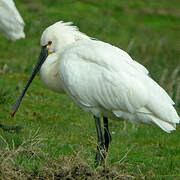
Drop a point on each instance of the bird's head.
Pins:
(55, 39)
(58, 36)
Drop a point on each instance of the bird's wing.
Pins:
(124, 56)
(95, 74)
(11, 22)
(103, 75)
(140, 67)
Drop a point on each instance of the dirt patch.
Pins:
(65, 168)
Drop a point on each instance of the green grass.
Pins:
(53, 127)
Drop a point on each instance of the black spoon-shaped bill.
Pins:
(42, 57)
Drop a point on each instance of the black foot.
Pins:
(103, 141)
(100, 155)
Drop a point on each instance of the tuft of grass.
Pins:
(65, 167)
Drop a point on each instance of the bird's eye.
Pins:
(49, 42)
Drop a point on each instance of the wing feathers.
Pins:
(104, 76)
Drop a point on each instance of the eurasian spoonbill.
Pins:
(11, 22)
(102, 80)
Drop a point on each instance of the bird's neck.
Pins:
(50, 75)
(49, 71)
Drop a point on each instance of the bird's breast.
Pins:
(49, 75)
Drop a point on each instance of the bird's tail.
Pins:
(164, 125)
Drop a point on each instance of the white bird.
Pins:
(102, 80)
(11, 22)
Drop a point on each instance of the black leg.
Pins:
(107, 135)
(99, 158)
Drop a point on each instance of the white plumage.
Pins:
(103, 80)
(11, 22)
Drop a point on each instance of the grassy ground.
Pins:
(57, 139)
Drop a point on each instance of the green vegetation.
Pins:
(55, 133)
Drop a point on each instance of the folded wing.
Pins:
(96, 74)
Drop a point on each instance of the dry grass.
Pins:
(30, 148)
(68, 167)
(71, 167)
(65, 167)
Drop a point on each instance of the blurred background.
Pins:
(148, 30)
